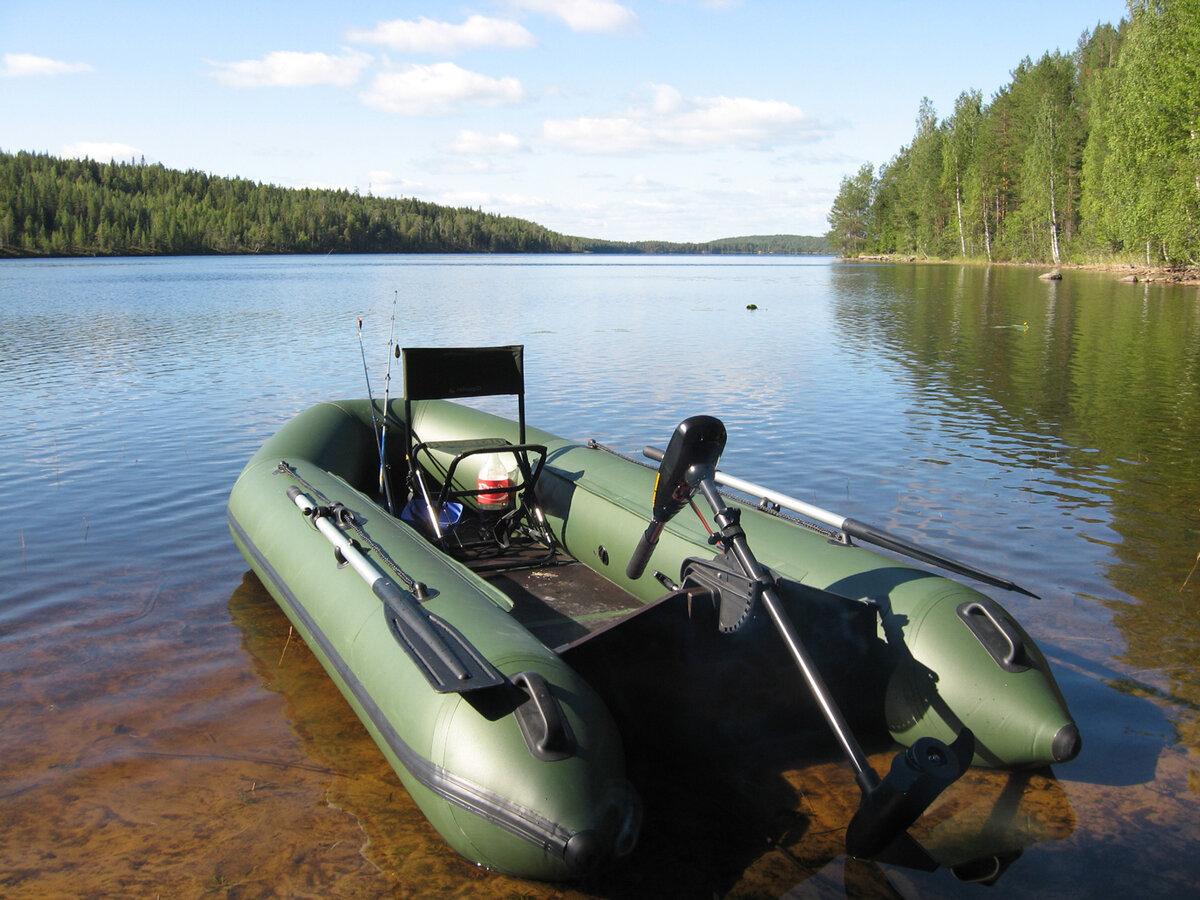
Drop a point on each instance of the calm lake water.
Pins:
(161, 735)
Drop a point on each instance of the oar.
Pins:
(449, 662)
(918, 774)
(857, 529)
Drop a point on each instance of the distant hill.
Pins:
(69, 207)
(790, 244)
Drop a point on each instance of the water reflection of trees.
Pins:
(1097, 380)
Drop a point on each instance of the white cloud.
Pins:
(737, 120)
(381, 182)
(474, 142)
(438, 89)
(694, 211)
(666, 99)
(592, 135)
(585, 15)
(427, 36)
(671, 122)
(290, 68)
(642, 184)
(509, 204)
(100, 151)
(17, 65)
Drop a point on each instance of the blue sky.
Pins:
(684, 120)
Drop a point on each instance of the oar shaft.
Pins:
(805, 509)
(881, 538)
(857, 529)
(757, 490)
(349, 552)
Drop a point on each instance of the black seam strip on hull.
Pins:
(472, 797)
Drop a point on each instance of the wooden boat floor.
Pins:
(562, 602)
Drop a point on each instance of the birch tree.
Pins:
(1156, 138)
(958, 156)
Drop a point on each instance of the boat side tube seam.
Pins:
(474, 798)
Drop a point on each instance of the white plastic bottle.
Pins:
(493, 475)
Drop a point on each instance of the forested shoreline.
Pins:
(1085, 157)
(71, 207)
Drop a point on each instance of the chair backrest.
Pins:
(448, 373)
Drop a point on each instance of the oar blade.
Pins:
(881, 538)
(450, 663)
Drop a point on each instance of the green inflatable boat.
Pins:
(471, 584)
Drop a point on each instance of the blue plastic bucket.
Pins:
(417, 512)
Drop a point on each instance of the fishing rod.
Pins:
(393, 350)
(370, 399)
(857, 529)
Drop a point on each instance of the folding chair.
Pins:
(450, 373)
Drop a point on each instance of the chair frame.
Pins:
(451, 373)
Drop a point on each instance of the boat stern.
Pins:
(964, 661)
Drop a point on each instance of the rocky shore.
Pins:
(1161, 274)
(1124, 272)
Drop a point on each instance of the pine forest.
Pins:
(1087, 157)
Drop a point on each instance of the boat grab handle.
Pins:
(541, 719)
(997, 634)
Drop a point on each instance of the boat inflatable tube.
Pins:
(478, 763)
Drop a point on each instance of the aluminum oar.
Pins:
(857, 529)
(449, 662)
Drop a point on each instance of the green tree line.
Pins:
(68, 207)
(64, 207)
(792, 244)
(1090, 155)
